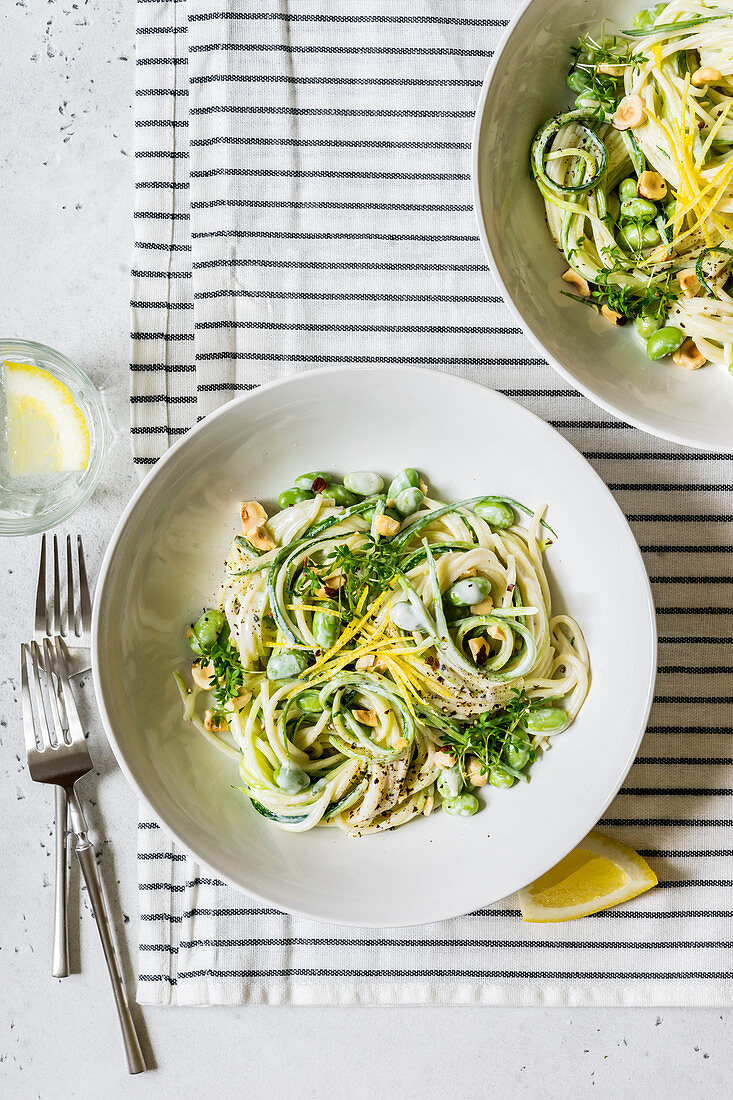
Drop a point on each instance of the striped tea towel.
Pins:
(303, 198)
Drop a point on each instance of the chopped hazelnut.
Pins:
(202, 675)
(254, 518)
(385, 525)
(474, 774)
(652, 186)
(688, 281)
(629, 114)
(576, 280)
(214, 723)
(444, 758)
(612, 316)
(479, 649)
(366, 717)
(689, 356)
(706, 75)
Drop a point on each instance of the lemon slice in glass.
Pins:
(599, 873)
(47, 432)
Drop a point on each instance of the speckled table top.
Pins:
(66, 94)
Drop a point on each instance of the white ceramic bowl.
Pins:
(164, 563)
(524, 86)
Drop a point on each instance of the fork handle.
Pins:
(60, 967)
(90, 871)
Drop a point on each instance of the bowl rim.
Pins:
(449, 911)
(608, 406)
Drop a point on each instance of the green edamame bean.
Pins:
(639, 210)
(463, 805)
(292, 779)
(405, 479)
(657, 10)
(627, 189)
(326, 627)
(650, 236)
(645, 324)
(516, 752)
(450, 782)
(305, 481)
(207, 628)
(469, 591)
(631, 238)
(669, 209)
(287, 664)
(310, 702)
(643, 20)
(500, 777)
(294, 496)
(364, 483)
(409, 500)
(404, 616)
(578, 81)
(664, 341)
(546, 720)
(495, 513)
(340, 495)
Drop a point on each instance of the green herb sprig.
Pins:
(488, 735)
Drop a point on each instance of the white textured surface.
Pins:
(65, 205)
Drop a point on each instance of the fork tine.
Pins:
(49, 664)
(74, 728)
(85, 602)
(41, 624)
(43, 729)
(70, 614)
(29, 732)
(56, 589)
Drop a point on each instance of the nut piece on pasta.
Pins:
(706, 75)
(240, 701)
(254, 518)
(366, 717)
(689, 282)
(629, 114)
(215, 723)
(651, 186)
(202, 675)
(444, 759)
(610, 70)
(331, 586)
(479, 649)
(484, 608)
(612, 316)
(576, 280)
(662, 253)
(689, 356)
(385, 525)
(474, 775)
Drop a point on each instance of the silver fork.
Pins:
(57, 753)
(71, 617)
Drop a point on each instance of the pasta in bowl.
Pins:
(165, 566)
(638, 179)
(377, 654)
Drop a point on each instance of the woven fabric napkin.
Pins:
(303, 197)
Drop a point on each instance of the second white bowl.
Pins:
(525, 86)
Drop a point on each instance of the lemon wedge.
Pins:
(47, 432)
(601, 872)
